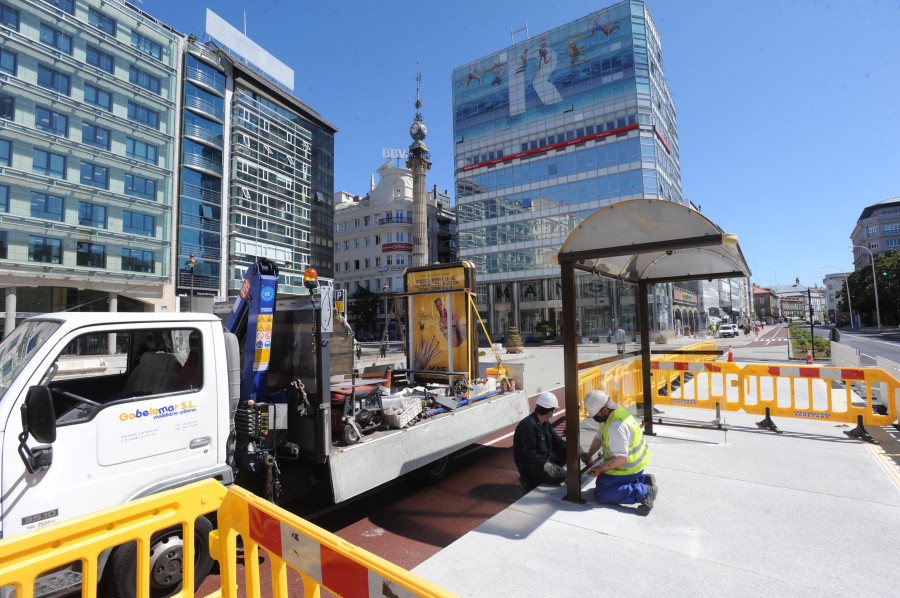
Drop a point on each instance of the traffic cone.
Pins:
(730, 355)
(809, 356)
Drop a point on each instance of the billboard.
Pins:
(440, 320)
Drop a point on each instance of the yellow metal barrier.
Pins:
(24, 558)
(816, 393)
(323, 559)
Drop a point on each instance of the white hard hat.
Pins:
(547, 400)
(594, 401)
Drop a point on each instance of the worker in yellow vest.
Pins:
(625, 454)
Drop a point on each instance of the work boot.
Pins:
(651, 479)
(647, 504)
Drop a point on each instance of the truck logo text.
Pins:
(159, 412)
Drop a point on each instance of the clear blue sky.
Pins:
(788, 112)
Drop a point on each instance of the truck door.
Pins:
(138, 414)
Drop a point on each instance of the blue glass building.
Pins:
(547, 132)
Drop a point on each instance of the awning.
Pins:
(650, 240)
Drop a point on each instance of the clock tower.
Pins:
(419, 164)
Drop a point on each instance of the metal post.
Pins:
(874, 283)
(192, 263)
(644, 307)
(812, 331)
(570, 377)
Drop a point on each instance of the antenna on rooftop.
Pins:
(512, 34)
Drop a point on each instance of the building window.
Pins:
(56, 39)
(49, 164)
(3, 245)
(140, 150)
(136, 260)
(94, 176)
(7, 107)
(144, 79)
(4, 198)
(9, 17)
(97, 97)
(5, 152)
(891, 228)
(142, 115)
(53, 80)
(95, 136)
(102, 22)
(44, 249)
(356, 264)
(101, 60)
(136, 186)
(146, 46)
(48, 207)
(871, 231)
(137, 224)
(377, 261)
(90, 255)
(66, 5)
(7, 62)
(51, 122)
(91, 214)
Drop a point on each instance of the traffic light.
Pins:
(884, 272)
(614, 319)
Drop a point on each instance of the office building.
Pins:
(373, 234)
(547, 132)
(257, 174)
(878, 230)
(88, 120)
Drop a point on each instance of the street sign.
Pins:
(339, 300)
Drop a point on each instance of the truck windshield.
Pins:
(18, 347)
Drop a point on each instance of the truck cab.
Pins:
(140, 417)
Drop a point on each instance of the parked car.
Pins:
(728, 330)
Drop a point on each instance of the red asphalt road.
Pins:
(406, 522)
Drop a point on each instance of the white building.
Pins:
(373, 234)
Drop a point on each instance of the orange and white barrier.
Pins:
(322, 559)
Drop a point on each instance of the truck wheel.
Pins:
(435, 471)
(350, 435)
(166, 547)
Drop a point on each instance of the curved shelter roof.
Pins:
(650, 240)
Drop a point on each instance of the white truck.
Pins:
(168, 405)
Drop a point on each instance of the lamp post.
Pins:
(874, 282)
(383, 349)
(192, 263)
(849, 303)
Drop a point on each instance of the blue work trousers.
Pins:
(621, 489)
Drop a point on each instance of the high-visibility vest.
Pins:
(638, 452)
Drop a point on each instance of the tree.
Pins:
(862, 290)
(363, 309)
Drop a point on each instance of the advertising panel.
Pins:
(441, 320)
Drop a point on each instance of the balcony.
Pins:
(204, 164)
(198, 133)
(195, 192)
(395, 220)
(205, 80)
(204, 108)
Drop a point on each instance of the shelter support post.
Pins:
(644, 309)
(570, 365)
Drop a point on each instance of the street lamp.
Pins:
(849, 303)
(383, 348)
(192, 263)
(874, 282)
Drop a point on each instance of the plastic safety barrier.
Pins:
(323, 559)
(833, 394)
(845, 395)
(24, 558)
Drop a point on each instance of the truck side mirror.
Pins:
(39, 420)
(38, 414)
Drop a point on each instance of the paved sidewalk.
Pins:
(746, 512)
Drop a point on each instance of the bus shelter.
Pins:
(643, 242)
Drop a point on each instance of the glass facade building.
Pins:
(88, 114)
(257, 178)
(547, 132)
